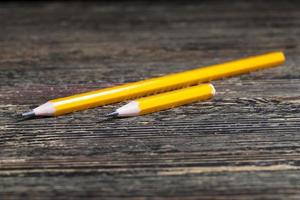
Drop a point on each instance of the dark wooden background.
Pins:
(244, 144)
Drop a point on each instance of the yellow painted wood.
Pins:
(165, 83)
(175, 98)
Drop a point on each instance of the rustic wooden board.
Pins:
(244, 144)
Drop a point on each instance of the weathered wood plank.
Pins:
(243, 144)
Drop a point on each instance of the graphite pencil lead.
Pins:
(25, 116)
(28, 115)
(113, 114)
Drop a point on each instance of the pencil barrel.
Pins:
(165, 83)
(175, 98)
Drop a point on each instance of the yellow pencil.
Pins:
(165, 101)
(155, 85)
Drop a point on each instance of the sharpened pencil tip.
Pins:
(28, 115)
(113, 114)
(25, 116)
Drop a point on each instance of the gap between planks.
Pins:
(162, 171)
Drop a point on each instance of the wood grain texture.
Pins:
(243, 144)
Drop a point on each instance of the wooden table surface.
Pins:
(243, 144)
